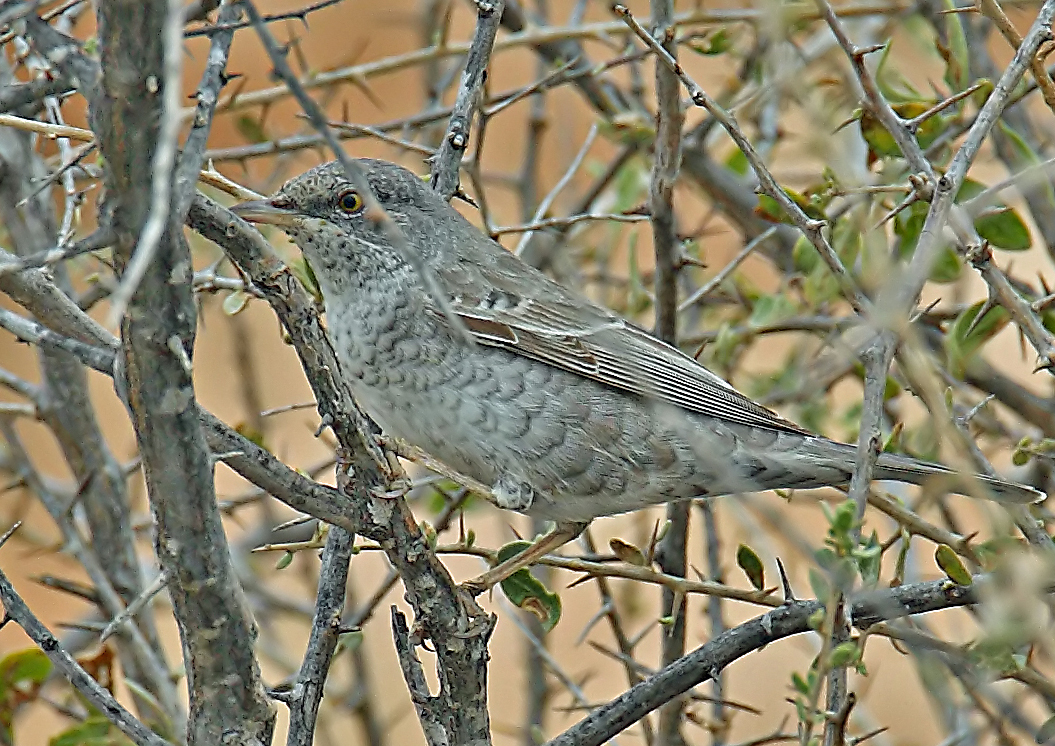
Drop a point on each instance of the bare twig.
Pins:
(809, 227)
(15, 609)
(306, 693)
(448, 158)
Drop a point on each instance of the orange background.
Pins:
(359, 32)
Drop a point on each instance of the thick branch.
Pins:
(448, 159)
(138, 59)
(708, 660)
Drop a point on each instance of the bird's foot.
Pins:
(396, 489)
(511, 493)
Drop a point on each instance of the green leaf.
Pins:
(805, 256)
(961, 345)
(869, 556)
(882, 144)
(87, 733)
(769, 209)
(907, 226)
(527, 592)
(726, 345)
(848, 241)
(819, 584)
(844, 518)
(998, 224)
(302, 271)
(894, 86)
(951, 565)
(956, 54)
(1003, 228)
(930, 129)
(717, 43)
(251, 129)
(349, 641)
(737, 162)
(630, 128)
(996, 654)
(820, 286)
(29, 666)
(769, 309)
(284, 561)
(995, 319)
(969, 189)
(630, 186)
(151, 711)
(947, 267)
(843, 654)
(1026, 156)
(748, 561)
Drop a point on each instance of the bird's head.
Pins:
(329, 219)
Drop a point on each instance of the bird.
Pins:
(565, 409)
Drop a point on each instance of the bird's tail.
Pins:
(907, 469)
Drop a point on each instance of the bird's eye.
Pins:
(350, 202)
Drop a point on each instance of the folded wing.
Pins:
(548, 323)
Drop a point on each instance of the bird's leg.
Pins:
(561, 534)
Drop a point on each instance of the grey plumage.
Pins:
(567, 410)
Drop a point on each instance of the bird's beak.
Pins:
(264, 211)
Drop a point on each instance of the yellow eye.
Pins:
(350, 202)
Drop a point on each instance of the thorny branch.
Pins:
(623, 172)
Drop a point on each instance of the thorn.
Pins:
(7, 535)
(923, 312)
(860, 52)
(580, 581)
(904, 204)
(460, 194)
(846, 123)
(870, 734)
(789, 595)
(293, 522)
(1046, 365)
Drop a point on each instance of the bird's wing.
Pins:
(539, 319)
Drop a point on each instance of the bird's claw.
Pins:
(475, 587)
(396, 489)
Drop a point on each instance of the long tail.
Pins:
(906, 469)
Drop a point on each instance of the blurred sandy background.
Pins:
(355, 32)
